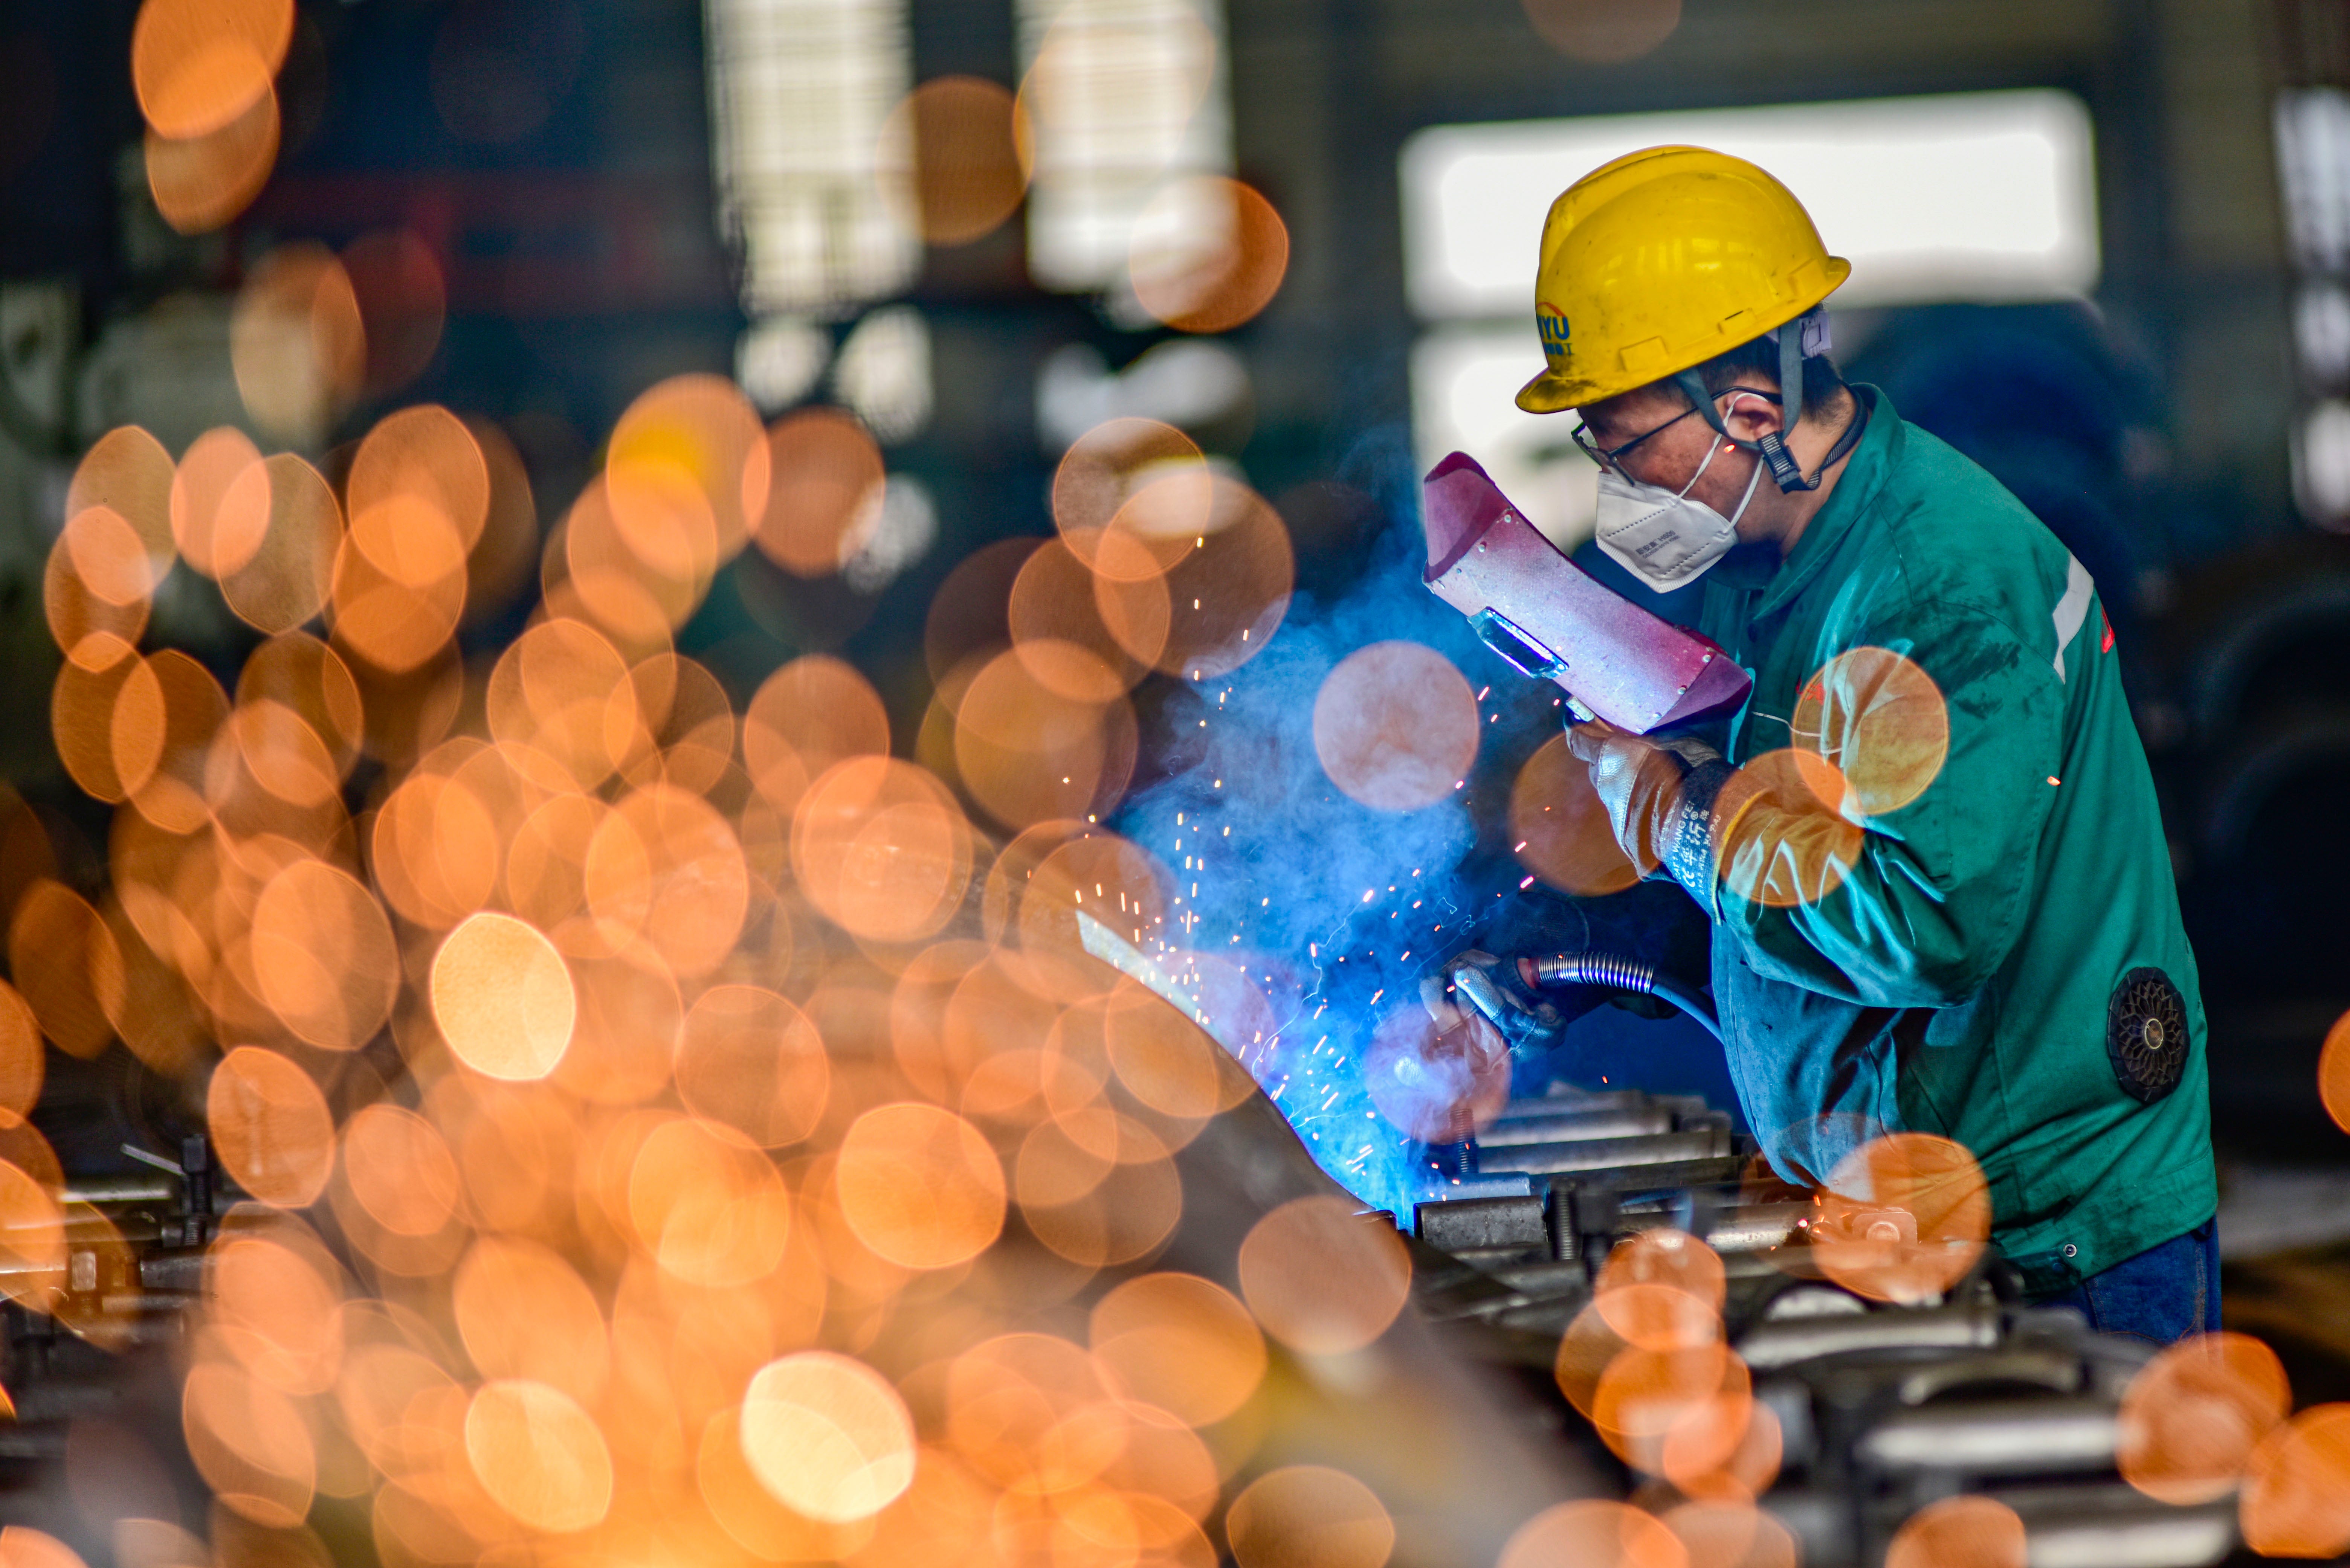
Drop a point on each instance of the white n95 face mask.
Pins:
(1663, 536)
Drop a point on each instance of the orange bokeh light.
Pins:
(1671, 1259)
(2334, 1073)
(400, 1170)
(1052, 610)
(324, 954)
(538, 1455)
(98, 587)
(31, 1237)
(198, 64)
(1783, 833)
(1130, 496)
(919, 1185)
(1439, 1083)
(251, 1444)
(286, 581)
(1593, 1535)
(1396, 726)
(69, 966)
(1309, 1516)
(212, 538)
(950, 165)
(21, 1064)
(1732, 1533)
(828, 1436)
(1881, 720)
(1181, 1343)
(1675, 1412)
(1561, 829)
(1960, 1532)
(1222, 598)
(688, 435)
(296, 343)
(1904, 1217)
(707, 1205)
(821, 475)
(2295, 1500)
(523, 1311)
(1030, 754)
(200, 182)
(272, 1295)
(128, 471)
(2193, 1415)
(879, 847)
(270, 1126)
(1166, 1061)
(503, 998)
(425, 454)
(752, 1060)
(1208, 254)
(814, 711)
(1322, 1278)
(398, 584)
(664, 868)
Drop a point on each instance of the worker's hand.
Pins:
(1638, 780)
(1474, 989)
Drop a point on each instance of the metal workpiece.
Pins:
(1996, 1437)
(1468, 1224)
(1881, 1409)
(1606, 1153)
(1788, 1342)
(2112, 1524)
(1510, 1131)
(1620, 1139)
(1756, 1227)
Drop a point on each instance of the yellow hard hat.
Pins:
(1662, 260)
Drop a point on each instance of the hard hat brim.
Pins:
(1550, 392)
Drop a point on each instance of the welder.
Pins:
(1992, 952)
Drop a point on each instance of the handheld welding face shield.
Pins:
(1552, 621)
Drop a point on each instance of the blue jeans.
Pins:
(2163, 1294)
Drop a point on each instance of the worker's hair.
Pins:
(1760, 358)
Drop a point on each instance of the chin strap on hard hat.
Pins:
(1795, 340)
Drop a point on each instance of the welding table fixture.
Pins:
(1880, 1410)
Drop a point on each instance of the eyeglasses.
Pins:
(1611, 457)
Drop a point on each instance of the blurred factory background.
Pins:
(2103, 246)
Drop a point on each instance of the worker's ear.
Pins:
(1751, 418)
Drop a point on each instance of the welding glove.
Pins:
(1658, 791)
(1480, 986)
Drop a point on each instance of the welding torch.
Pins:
(1528, 1022)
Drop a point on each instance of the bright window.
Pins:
(800, 92)
(1121, 95)
(1964, 196)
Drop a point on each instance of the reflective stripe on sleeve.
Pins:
(2072, 610)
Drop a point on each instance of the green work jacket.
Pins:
(1959, 976)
